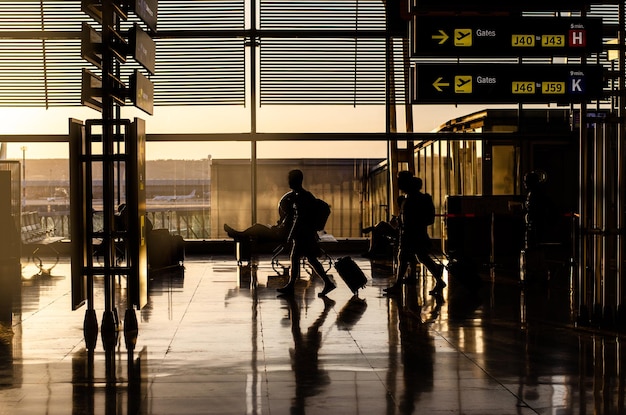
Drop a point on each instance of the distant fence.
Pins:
(190, 224)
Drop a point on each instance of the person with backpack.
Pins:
(417, 212)
(539, 212)
(302, 218)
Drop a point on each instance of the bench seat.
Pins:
(34, 237)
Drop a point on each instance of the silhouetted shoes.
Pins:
(230, 231)
(328, 287)
(393, 290)
(438, 287)
(286, 290)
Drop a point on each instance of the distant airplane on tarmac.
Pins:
(173, 198)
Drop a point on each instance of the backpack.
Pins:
(427, 209)
(320, 214)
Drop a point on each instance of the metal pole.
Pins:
(253, 111)
(621, 174)
(23, 148)
(108, 167)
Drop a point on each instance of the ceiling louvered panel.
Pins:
(27, 15)
(201, 15)
(325, 71)
(63, 15)
(24, 76)
(331, 70)
(200, 72)
(21, 67)
(320, 15)
(40, 63)
(62, 72)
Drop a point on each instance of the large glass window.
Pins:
(503, 169)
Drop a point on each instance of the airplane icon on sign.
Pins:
(463, 84)
(462, 35)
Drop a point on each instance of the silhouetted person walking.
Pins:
(537, 210)
(298, 208)
(417, 212)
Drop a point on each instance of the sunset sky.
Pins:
(233, 119)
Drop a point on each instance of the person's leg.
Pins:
(261, 232)
(256, 231)
(233, 233)
(405, 259)
(413, 263)
(435, 269)
(317, 266)
(295, 270)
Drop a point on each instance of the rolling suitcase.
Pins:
(350, 273)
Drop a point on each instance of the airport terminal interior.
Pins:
(124, 291)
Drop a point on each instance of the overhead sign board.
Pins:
(143, 48)
(493, 36)
(142, 92)
(91, 45)
(417, 6)
(505, 83)
(146, 10)
(91, 91)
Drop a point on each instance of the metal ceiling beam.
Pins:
(417, 137)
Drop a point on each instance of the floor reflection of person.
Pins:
(310, 378)
(418, 351)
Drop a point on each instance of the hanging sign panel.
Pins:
(505, 83)
(492, 36)
(143, 48)
(91, 90)
(146, 10)
(142, 92)
(91, 45)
